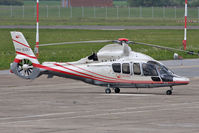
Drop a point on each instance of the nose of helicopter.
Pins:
(181, 80)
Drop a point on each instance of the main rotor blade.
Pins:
(62, 43)
(163, 47)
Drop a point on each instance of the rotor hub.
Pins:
(123, 39)
(25, 66)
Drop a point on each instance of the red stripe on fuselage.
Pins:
(106, 80)
(91, 72)
(20, 43)
(115, 79)
(26, 55)
(60, 71)
(110, 80)
(56, 70)
(94, 77)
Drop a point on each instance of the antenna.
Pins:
(37, 31)
(185, 27)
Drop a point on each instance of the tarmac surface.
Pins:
(93, 27)
(60, 105)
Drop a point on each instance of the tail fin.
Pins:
(25, 60)
(22, 47)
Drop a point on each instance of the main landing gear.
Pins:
(169, 92)
(117, 90)
(108, 90)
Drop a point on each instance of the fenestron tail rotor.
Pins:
(25, 68)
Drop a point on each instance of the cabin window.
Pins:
(116, 67)
(149, 70)
(136, 69)
(126, 68)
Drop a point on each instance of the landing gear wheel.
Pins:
(117, 90)
(169, 92)
(108, 91)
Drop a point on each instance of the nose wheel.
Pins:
(169, 92)
(108, 91)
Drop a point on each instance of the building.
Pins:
(87, 3)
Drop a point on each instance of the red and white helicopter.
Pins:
(114, 66)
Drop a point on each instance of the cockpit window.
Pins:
(149, 70)
(161, 68)
(116, 67)
(125, 68)
(164, 71)
(136, 68)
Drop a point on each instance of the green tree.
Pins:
(194, 3)
(156, 2)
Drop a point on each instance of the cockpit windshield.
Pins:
(162, 70)
(165, 74)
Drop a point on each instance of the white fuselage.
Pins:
(103, 74)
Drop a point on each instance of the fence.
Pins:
(96, 12)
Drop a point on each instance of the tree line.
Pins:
(132, 3)
(150, 3)
(11, 2)
(18, 2)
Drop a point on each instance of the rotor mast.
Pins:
(37, 31)
(185, 27)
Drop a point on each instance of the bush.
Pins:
(195, 3)
(149, 3)
(11, 2)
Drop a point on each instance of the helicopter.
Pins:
(113, 66)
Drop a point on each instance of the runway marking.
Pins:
(100, 114)
(189, 125)
(108, 112)
(129, 112)
(35, 116)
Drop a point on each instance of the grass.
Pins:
(93, 21)
(64, 53)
